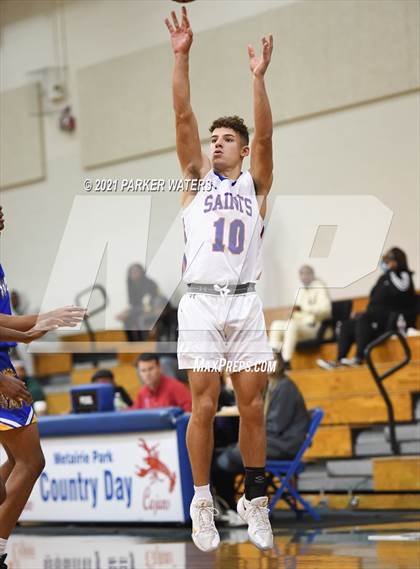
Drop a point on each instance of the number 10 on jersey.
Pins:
(236, 236)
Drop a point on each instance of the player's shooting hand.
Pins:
(181, 35)
(67, 315)
(259, 64)
(14, 388)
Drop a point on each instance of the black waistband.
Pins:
(222, 290)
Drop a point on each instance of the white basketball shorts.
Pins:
(222, 331)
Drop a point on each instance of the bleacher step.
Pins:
(400, 473)
(353, 467)
(334, 483)
(405, 432)
(384, 449)
(375, 441)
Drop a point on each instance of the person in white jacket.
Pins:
(313, 305)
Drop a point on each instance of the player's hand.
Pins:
(42, 327)
(259, 65)
(14, 388)
(181, 35)
(67, 315)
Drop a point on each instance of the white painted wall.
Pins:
(372, 149)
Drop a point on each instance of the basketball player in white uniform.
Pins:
(220, 318)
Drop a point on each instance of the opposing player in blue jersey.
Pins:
(18, 430)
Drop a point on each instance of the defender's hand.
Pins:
(42, 327)
(68, 315)
(181, 35)
(259, 65)
(14, 388)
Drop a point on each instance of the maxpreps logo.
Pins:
(155, 468)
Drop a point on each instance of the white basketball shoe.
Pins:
(204, 532)
(255, 513)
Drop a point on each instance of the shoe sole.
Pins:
(204, 550)
(250, 537)
(259, 546)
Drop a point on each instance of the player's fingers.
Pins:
(25, 396)
(75, 309)
(185, 20)
(169, 25)
(75, 317)
(175, 20)
(251, 51)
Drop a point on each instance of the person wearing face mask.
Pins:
(313, 305)
(393, 295)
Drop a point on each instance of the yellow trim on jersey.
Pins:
(4, 427)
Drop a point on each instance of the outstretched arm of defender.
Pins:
(68, 316)
(262, 146)
(188, 144)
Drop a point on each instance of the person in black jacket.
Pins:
(287, 424)
(141, 292)
(392, 299)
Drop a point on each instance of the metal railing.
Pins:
(379, 379)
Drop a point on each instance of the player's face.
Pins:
(149, 373)
(1, 219)
(226, 148)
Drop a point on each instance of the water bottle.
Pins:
(401, 324)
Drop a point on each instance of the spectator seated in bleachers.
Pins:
(106, 376)
(159, 390)
(392, 302)
(287, 423)
(313, 305)
(141, 291)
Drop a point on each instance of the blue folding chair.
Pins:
(284, 470)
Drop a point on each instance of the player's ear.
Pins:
(244, 151)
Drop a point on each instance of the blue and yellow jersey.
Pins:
(13, 414)
(5, 305)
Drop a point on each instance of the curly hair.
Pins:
(235, 123)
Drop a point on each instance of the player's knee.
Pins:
(204, 410)
(40, 463)
(34, 465)
(252, 411)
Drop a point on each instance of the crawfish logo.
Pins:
(155, 465)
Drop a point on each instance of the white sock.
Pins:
(3, 543)
(202, 493)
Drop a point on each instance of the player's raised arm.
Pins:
(262, 146)
(193, 161)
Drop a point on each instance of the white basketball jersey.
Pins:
(223, 232)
